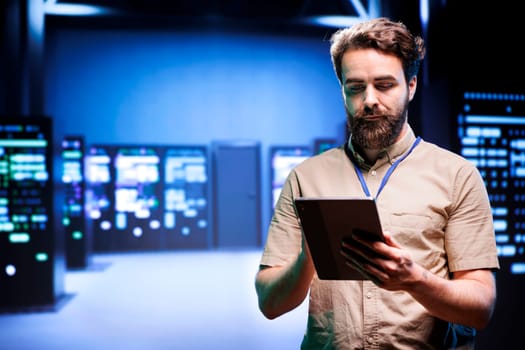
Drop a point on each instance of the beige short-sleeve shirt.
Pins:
(434, 203)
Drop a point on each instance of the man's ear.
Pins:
(412, 87)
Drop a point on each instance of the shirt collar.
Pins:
(391, 153)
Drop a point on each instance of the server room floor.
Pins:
(187, 300)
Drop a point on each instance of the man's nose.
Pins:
(370, 98)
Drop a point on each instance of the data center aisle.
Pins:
(167, 300)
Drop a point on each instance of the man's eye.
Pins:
(384, 86)
(354, 89)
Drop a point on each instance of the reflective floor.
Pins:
(168, 300)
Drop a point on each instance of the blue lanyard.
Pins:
(388, 173)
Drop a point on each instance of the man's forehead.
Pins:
(370, 64)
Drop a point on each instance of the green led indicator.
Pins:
(41, 256)
(72, 154)
(77, 235)
(22, 143)
(19, 237)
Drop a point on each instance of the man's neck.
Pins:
(370, 155)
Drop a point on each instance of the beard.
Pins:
(377, 133)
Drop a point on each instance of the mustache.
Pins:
(370, 112)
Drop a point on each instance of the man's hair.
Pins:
(383, 34)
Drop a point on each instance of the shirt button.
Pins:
(373, 172)
(369, 340)
(369, 295)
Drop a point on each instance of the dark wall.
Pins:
(486, 45)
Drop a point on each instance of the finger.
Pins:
(389, 239)
(363, 266)
(366, 249)
(363, 270)
(353, 264)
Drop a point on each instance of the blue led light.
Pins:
(493, 96)
(334, 21)
(52, 8)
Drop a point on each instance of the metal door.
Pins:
(237, 208)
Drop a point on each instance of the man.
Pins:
(433, 283)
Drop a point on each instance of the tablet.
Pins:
(325, 221)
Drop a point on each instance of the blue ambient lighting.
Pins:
(52, 8)
(334, 21)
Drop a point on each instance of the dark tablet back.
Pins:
(325, 221)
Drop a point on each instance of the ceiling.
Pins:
(281, 9)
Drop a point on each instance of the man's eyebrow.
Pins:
(376, 79)
(385, 77)
(353, 80)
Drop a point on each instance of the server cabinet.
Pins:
(99, 198)
(31, 252)
(77, 238)
(186, 197)
(282, 160)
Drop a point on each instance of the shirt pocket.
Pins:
(422, 234)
